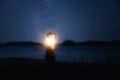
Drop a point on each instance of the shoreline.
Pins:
(58, 70)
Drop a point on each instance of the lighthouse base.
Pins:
(50, 55)
(50, 58)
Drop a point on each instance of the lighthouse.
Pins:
(50, 43)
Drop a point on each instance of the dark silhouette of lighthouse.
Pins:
(50, 47)
(50, 55)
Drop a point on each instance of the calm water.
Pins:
(64, 53)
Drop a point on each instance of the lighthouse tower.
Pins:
(50, 43)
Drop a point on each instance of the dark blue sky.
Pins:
(79, 20)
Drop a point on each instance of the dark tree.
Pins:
(68, 42)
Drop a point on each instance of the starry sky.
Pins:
(78, 20)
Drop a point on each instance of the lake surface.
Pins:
(64, 53)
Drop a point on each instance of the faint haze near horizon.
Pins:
(77, 20)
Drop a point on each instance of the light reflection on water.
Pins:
(64, 53)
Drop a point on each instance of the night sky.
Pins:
(78, 20)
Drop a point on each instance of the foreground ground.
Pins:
(31, 68)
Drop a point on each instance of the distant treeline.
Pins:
(20, 43)
(65, 43)
(91, 43)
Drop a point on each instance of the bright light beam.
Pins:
(50, 40)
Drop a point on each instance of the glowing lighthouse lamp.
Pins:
(50, 43)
